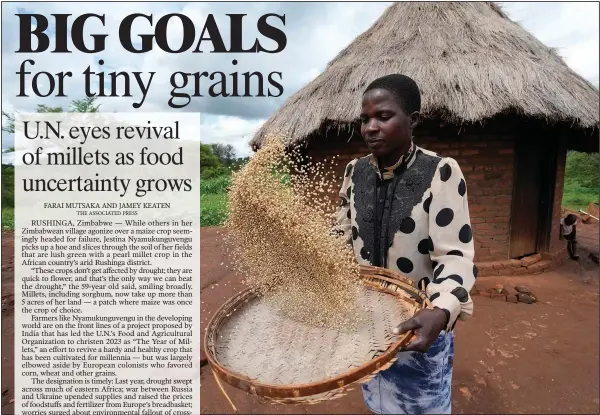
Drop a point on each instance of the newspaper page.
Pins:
(107, 234)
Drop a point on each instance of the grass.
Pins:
(213, 209)
(218, 185)
(213, 198)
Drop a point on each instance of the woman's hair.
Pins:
(570, 219)
(404, 88)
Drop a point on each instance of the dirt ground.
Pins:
(510, 358)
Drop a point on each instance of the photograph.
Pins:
(300, 207)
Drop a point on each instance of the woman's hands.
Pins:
(427, 325)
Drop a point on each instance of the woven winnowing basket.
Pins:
(252, 348)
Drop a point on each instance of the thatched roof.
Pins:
(470, 61)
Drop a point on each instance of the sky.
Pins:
(316, 33)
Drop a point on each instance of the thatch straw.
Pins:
(471, 63)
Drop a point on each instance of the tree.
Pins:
(10, 128)
(207, 158)
(225, 152)
(85, 105)
(210, 164)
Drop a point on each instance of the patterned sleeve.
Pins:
(343, 218)
(451, 244)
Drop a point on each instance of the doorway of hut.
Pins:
(534, 186)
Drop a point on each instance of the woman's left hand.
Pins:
(427, 325)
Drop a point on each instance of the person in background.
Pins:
(405, 208)
(568, 231)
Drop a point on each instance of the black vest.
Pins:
(383, 207)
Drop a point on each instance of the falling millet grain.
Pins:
(279, 237)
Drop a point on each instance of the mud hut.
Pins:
(495, 98)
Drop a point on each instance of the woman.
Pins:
(405, 208)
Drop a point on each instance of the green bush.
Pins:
(8, 186)
(576, 196)
(213, 200)
(214, 172)
(583, 169)
(207, 158)
(8, 218)
(215, 186)
(582, 178)
(213, 209)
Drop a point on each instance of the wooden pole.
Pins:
(585, 213)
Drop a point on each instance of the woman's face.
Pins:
(385, 127)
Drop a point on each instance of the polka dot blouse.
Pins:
(414, 220)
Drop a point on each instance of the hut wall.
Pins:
(487, 163)
(344, 152)
(557, 245)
